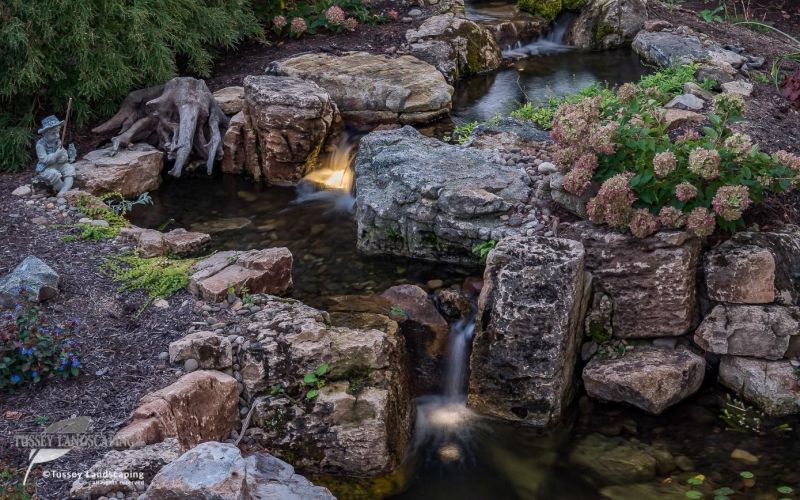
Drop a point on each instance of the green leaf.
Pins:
(785, 490)
(310, 378)
(694, 494)
(312, 393)
(322, 369)
(745, 474)
(710, 133)
(724, 491)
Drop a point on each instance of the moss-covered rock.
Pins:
(574, 4)
(548, 9)
(606, 24)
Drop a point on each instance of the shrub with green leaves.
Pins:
(649, 180)
(96, 52)
(299, 18)
(32, 349)
(160, 277)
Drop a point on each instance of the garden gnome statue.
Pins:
(55, 163)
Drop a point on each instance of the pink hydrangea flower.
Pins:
(298, 26)
(626, 92)
(704, 162)
(643, 223)
(279, 22)
(731, 201)
(685, 191)
(671, 217)
(335, 15)
(738, 144)
(701, 222)
(787, 159)
(350, 24)
(664, 163)
(578, 180)
(613, 204)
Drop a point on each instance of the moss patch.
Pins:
(548, 9)
(574, 4)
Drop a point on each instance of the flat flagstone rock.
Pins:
(259, 271)
(130, 171)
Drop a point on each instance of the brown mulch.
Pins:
(118, 350)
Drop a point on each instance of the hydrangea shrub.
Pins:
(643, 179)
(32, 350)
(299, 18)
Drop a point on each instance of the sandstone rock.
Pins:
(455, 46)
(771, 385)
(738, 87)
(234, 150)
(185, 243)
(452, 303)
(33, 277)
(756, 268)
(528, 331)
(130, 171)
(200, 406)
(152, 243)
(208, 471)
(677, 118)
(419, 197)
(606, 24)
(743, 330)
(230, 99)
(570, 202)
(212, 351)
(146, 461)
(419, 310)
(688, 102)
(649, 378)
(359, 423)
(697, 91)
(292, 119)
(370, 88)
(651, 281)
(259, 271)
(521, 27)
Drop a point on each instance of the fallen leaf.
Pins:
(12, 415)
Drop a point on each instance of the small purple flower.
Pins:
(76, 363)
(34, 374)
(15, 378)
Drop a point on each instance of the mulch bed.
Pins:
(119, 351)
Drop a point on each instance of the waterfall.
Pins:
(552, 42)
(455, 374)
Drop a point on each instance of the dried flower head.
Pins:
(577, 181)
(279, 22)
(350, 24)
(701, 222)
(298, 26)
(626, 92)
(643, 223)
(393, 15)
(739, 144)
(671, 217)
(704, 162)
(685, 191)
(729, 104)
(731, 201)
(689, 135)
(664, 163)
(787, 159)
(613, 204)
(335, 15)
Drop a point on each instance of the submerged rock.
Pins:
(771, 385)
(259, 271)
(528, 331)
(374, 89)
(616, 460)
(130, 171)
(200, 406)
(419, 197)
(607, 24)
(650, 281)
(457, 46)
(649, 378)
(33, 277)
(746, 330)
(357, 420)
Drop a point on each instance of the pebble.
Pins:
(23, 190)
(414, 12)
(434, 284)
(163, 355)
(39, 221)
(744, 456)
(161, 304)
(546, 168)
(190, 365)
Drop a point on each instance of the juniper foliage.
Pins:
(96, 51)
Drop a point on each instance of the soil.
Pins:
(119, 350)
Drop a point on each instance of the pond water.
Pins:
(457, 454)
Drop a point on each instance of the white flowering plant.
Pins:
(643, 177)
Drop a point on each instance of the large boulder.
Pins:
(649, 378)
(33, 277)
(141, 464)
(650, 281)
(419, 197)
(756, 268)
(292, 119)
(749, 330)
(211, 350)
(683, 46)
(606, 24)
(374, 89)
(130, 171)
(200, 406)
(217, 471)
(771, 385)
(258, 271)
(527, 337)
(457, 46)
(356, 417)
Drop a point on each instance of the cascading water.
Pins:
(553, 42)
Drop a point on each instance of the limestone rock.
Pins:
(649, 378)
(130, 171)
(756, 268)
(771, 385)
(23, 190)
(208, 471)
(184, 243)
(359, 423)
(292, 119)
(271, 478)
(738, 87)
(374, 89)
(606, 24)
(152, 243)
(456, 46)
(200, 406)
(677, 118)
(672, 48)
(688, 102)
(259, 271)
(230, 99)
(33, 276)
(212, 351)
(419, 197)
(528, 331)
(650, 281)
(745, 330)
(146, 461)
